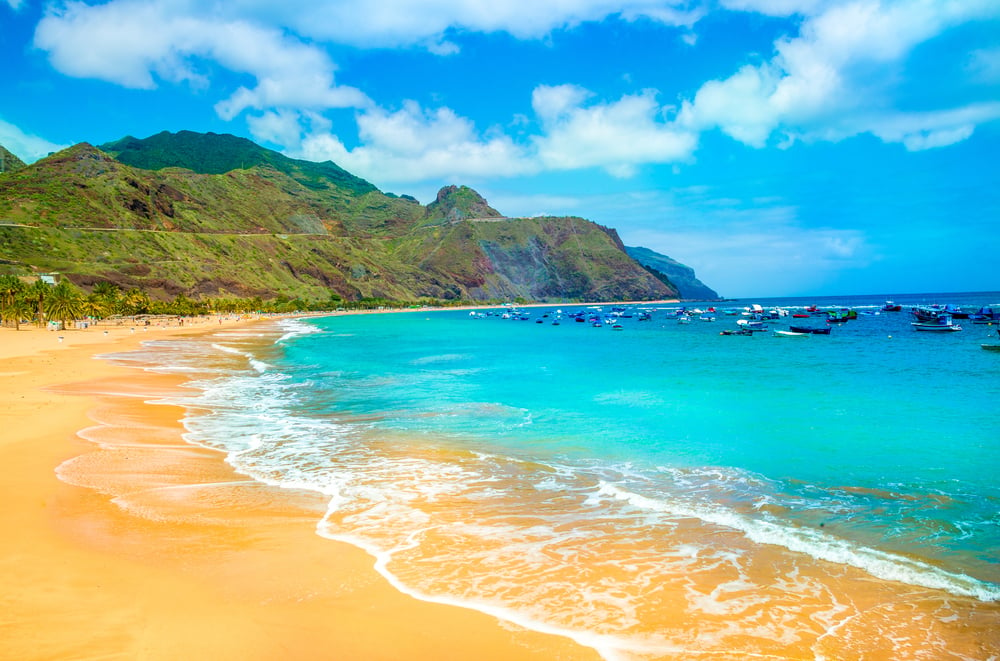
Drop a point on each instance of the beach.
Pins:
(85, 578)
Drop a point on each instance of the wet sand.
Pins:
(202, 564)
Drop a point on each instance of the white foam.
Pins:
(259, 365)
(820, 545)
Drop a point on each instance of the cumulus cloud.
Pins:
(618, 136)
(833, 79)
(29, 148)
(575, 132)
(414, 144)
(390, 23)
(133, 43)
(15, 4)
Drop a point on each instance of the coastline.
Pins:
(84, 578)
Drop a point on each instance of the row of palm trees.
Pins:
(40, 302)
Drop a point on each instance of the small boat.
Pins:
(837, 316)
(985, 315)
(891, 307)
(811, 331)
(800, 316)
(927, 312)
(942, 324)
(788, 333)
(991, 347)
(741, 331)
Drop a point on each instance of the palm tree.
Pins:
(37, 293)
(10, 287)
(16, 310)
(135, 301)
(64, 302)
(95, 306)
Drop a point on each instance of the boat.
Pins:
(752, 326)
(891, 307)
(788, 333)
(985, 315)
(811, 331)
(800, 316)
(837, 316)
(741, 331)
(927, 312)
(942, 324)
(991, 347)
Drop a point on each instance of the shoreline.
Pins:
(86, 578)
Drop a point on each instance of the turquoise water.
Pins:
(484, 461)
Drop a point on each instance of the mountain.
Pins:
(681, 276)
(217, 215)
(212, 153)
(8, 161)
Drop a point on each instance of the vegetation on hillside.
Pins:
(276, 228)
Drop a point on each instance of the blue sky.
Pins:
(779, 147)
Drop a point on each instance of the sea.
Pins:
(650, 488)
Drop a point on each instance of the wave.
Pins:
(259, 365)
(820, 545)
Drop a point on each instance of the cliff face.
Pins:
(184, 223)
(679, 275)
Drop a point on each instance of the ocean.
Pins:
(656, 490)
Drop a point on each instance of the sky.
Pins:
(778, 147)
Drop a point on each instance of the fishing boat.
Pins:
(985, 315)
(942, 324)
(788, 333)
(891, 307)
(927, 312)
(837, 316)
(811, 331)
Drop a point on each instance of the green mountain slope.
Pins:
(8, 161)
(281, 227)
(212, 153)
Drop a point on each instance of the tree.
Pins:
(15, 311)
(64, 302)
(95, 306)
(135, 301)
(36, 294)
(10, 289)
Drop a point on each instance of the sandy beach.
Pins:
(86, 579)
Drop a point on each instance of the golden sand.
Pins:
(196, 577)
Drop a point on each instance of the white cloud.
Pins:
(15, 4)
(919, 131)
(836, 78)
(413, 144)
(777, 7)
(618, 136)
(133, 43)
(29, 148)
(280, 127)
(392, 23)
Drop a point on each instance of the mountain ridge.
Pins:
(289, 228)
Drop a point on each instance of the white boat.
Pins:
(943, 324)
(782, 333)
